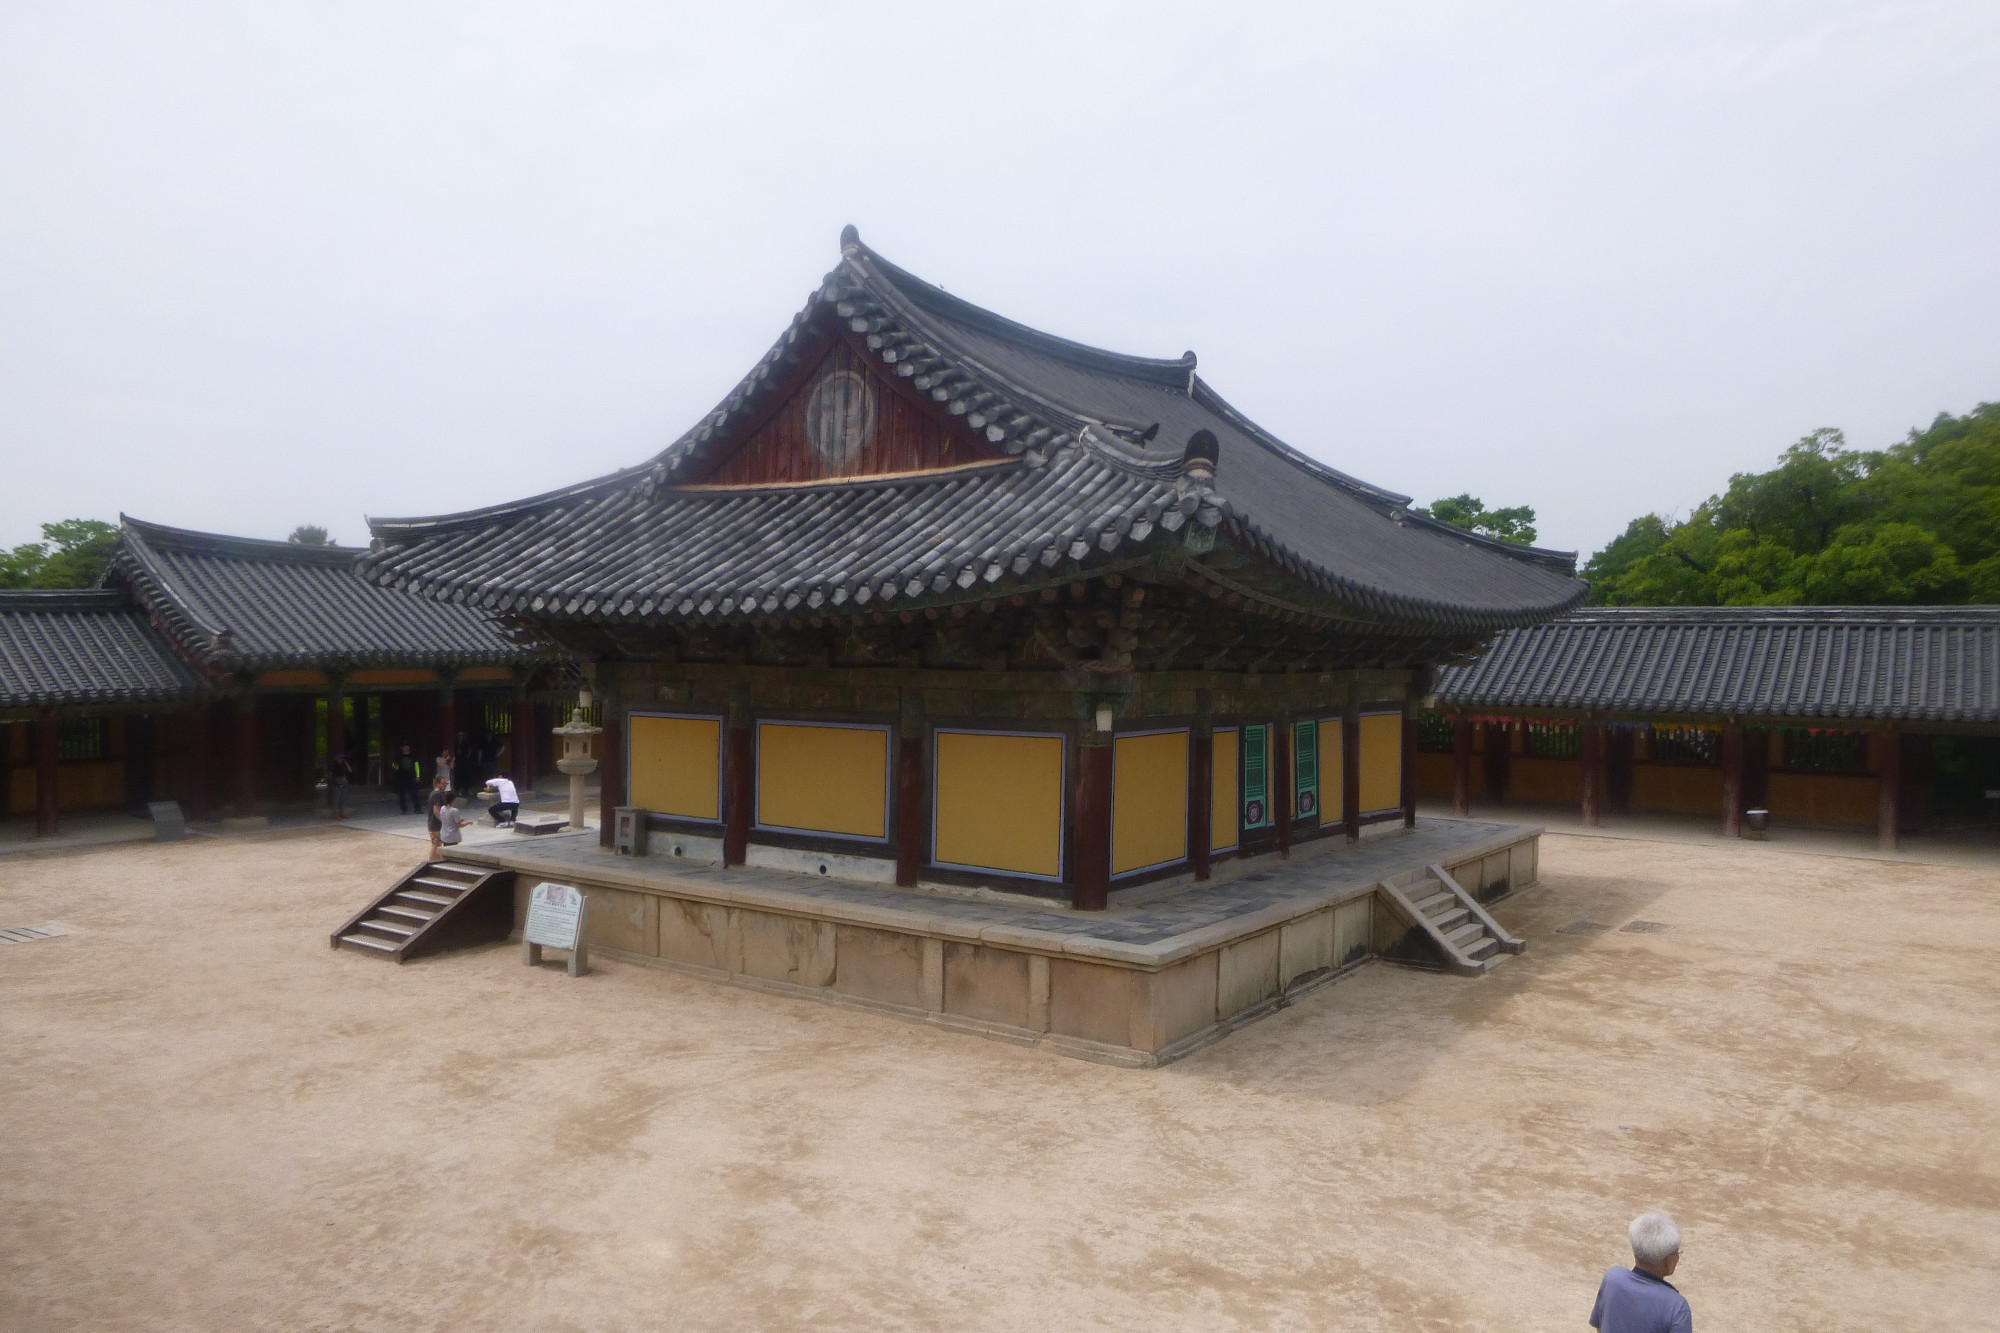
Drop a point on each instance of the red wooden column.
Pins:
(521, 745)
(1409, 766)
(910, 739)
(245, 736)
(1593, 772)
(610, 772)
(336, 723)
(1461, 766)
(738, 783)
(201, 780)
(1732, 779)
(1284, 783)
(1889, 802)
(447, 724)
(1201, 785)
(47, 771)
(1090, 877)
(1498, 739)
(1350, 771)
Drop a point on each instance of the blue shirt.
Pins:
(1629, 1301)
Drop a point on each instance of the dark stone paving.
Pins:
(1373, 859)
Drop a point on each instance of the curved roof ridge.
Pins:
(222, 543)
(930, 297)
(1797, 611)
(437, 523)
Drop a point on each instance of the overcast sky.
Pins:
(270, 264)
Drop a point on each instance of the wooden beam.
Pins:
(246, 755)
(737, 783)
(909, 805)
(610, 772)
(1409, 792)
(1284, 783)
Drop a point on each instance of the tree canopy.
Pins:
(310, 534)
(71, 554)
(1470, 512)
(1914, 523)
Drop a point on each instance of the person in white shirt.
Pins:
(506, 800)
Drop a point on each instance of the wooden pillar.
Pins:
(910, 739)
(336, 723)
(362, 728)
(246, 754)
(1201, 784)
(610, 771)
(1618, 770)
(521, 745)
(202, 786)
(1461, 766)
(1592, 755)
(1350, 771)
(1732, 779)
(1889, 801)
(1496, 761)
(1090, 877)
(1409, 766)
(738, 783)
(141, 759)
(47, 771)
(1284, 783)
(447, 725)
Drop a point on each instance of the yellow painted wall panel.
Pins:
(1332, 771)
(998, 802)
(1222, 812)
(823, 779)
(1832, 797)
(675, 766)
(1677, 788)
(1559, 781)
(1149, 799)
(1381, 762)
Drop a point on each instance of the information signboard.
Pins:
(556, 921)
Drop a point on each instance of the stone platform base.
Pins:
(1137, 985)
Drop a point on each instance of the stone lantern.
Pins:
(576, 760)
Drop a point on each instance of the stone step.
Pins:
(1465, 934)
(1436, 902)
(1480, 947)
(424, 896)
(408, 911)
(370, 942)
(447, 868)
(452, 887)
(1448, 921)
(388, 927)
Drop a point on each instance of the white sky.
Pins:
(270, 264)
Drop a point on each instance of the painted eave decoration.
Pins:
(900, 448)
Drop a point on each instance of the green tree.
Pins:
(1470, 512)
(71, 554)
(310, 534)
(1917, 522)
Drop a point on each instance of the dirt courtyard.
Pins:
(212, 1121)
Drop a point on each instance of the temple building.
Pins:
(934, 598)
(221, 671)
(1813, 715)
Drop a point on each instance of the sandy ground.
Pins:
(212, 1121)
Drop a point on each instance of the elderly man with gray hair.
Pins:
(1639, 1299)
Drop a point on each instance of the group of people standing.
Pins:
(460, 770)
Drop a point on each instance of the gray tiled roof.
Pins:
(84, 647)
(238, 603)
(1935, 663)
(1087, 481)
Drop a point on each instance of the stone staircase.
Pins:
(1447, 919)
(439, 905)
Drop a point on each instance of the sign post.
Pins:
(556, 920)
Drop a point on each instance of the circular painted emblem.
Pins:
(840, 416)
(1253, 813)
(1306, 802)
